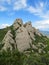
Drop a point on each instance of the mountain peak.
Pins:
(17, 23)
(24, 36)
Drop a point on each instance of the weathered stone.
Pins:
(22, 39)
(8, 40)
(37, 32)
(34, 46)
(30, 30)
(40, 50)
(17, 24)
(41, 44)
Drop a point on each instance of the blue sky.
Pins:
(36, 11)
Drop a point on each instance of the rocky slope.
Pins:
(24, 37)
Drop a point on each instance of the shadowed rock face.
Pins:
(24, 35)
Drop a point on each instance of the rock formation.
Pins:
(24, 37)
(30, 30)
(17, 24)
(8, 41)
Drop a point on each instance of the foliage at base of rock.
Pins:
(16, 58)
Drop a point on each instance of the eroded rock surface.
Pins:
(8, 41)
(17, 24)
(22, 37)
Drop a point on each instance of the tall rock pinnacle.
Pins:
(17, 23)
(22, 36)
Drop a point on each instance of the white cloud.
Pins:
(43, 25)
(3, 25)
(3, 1)
(31, 9)
(39, 10)
(14, 4)
(19, 4)
(8, 1)
(41, 4)
(2, 8)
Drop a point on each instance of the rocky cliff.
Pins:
(24, 37)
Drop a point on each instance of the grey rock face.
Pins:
(37, 32)
(8, 41)
(30, 30)
(17, 24)
(24, 35)
(22, 39)
(34, 47)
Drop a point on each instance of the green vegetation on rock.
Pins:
(16, 58)
(35, 46)
(3, 32)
